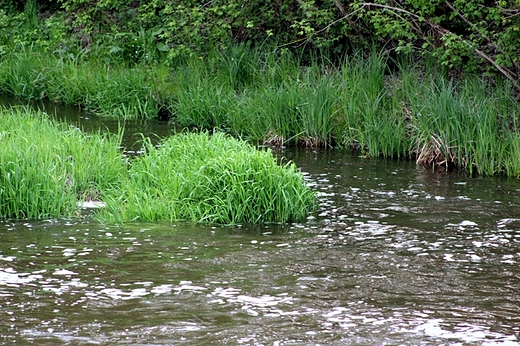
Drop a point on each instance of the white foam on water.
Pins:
(465, 333)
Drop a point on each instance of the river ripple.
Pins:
(396, 254)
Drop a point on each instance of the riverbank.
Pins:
(275, 98)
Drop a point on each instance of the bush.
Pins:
(459, 33)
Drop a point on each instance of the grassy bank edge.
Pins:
(403, 112)
(46, 167)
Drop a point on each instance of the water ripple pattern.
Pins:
(396, 255)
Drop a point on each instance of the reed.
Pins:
(371, 121)
(46, 167)
(203, 178)
(116, 91)
(460, 125)
(272, 114)
(203, 104)
(318, 107)
(275, 98)
(238, 67)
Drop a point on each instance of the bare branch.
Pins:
(498, 67)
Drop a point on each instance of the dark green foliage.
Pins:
(473, 34)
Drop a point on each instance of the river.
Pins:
(397, 254)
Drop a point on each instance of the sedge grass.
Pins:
(46, 167)
(369, 121)
(457, 125)
(205, 178)
(98, 88)
(275, 98)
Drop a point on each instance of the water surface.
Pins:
(397, 254)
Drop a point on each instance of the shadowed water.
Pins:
(396, 254)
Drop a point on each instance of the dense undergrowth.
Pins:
(474, 34)
(224, 70)
(407, 111)
(47, 167)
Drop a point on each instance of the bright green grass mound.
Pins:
(46, 167)
(209, 178)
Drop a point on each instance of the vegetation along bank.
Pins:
(435, 82)
(47, 167)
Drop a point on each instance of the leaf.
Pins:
(161, 47)
(158, 32)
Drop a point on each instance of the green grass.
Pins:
(272, 97)
(461, 125)
(115, 91)
(369, 121)
(45, 167)
(209, 178)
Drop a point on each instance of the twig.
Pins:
(306, 39)
(342, 11)
(338, 20)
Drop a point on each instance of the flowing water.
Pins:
(397, 254)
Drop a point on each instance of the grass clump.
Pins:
(460, 125)
(217, 179)
(46, 167)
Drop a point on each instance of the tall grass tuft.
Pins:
(206, 178)
(116, 91)
(460, 125)
(46, 167)
(318, 106)
(274, 97)
(369, 122)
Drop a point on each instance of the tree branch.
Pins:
(342, 11)
(498, 67)
(471, 25)
(508, 74)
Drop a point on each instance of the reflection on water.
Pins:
(396, 254)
